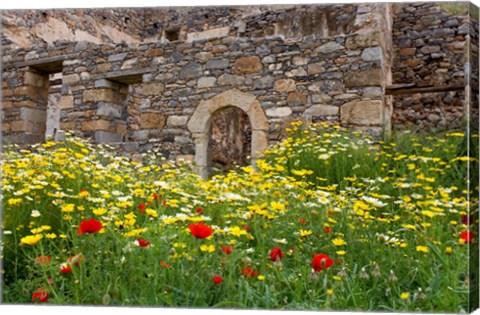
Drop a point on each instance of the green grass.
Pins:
(388, 214)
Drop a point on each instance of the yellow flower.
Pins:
(151, 212)
(448, 250)
(51, 235)
(427, 213)
(339, 242)
(31, 239)
(207, 248)
(99, 211)
(68, 207)
(404, 295)
(261, 277)
(304, 233)
(423, 249)
(341, 253)
(330, 291)
(236, 231)
(409, 227)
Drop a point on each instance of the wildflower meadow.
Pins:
(328, 219)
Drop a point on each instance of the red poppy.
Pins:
(42, 260)
(155, 196)
(327, 229)
(200, 230)
(65, 268)
(320, 262)
(248, 272)
(227, 249)
(276, 254)
(164, 264)
(246, 227)
(217, 279)
(302, 220)
(40, 294)
(199, 210)
(141, 207)
(142, 242)
(467, 236)
(89, 226)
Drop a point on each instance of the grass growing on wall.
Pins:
(329, 220)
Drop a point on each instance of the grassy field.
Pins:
(329, 219)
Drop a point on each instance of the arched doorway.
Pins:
(230, 138)
(201, 121)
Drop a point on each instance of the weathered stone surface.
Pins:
(321, 110)
(372, 54)
(34, 115)
(279, 112)
(100, 95)
(94, 125)
(315, 68)
(34, 79)
(329, 47)
(285, 85)
(206, 82)
(66, 101)
(208, 34)
(297, 98)
(245, 65)
(366, 113)
(217, 63)
(191, 71)
(109, 110)
(229, 79)
(152, 88)
(363, 78)
(107, 137)
(152, 120)
(265, 82)
(177, 121)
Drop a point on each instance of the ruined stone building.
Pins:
(221, 83)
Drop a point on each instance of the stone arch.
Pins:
(199, 124)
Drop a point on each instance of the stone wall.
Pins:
(162, 89)
(429, 40)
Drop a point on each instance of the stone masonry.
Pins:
(158, 77)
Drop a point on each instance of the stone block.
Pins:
(33, 115)
(315, 68)
(217, 64)
(321, 110)
(191, 71)
(107, 137)
(264, 82)
(203, 56)
(100, 95)
(372, 54)
(177, 121)
(151, 121)
(71, 78)
(65, 102)
(105, 83)
(206, 82)
(245, 65)
(407, 51)
(229, 79)
(152, 88)
(329, 47)
(67, 125)
(208, 34)
(285, 85)
(109, 110)
(363, 40)
(370, 77)
(363, 113)
(279, 112)
(94, 125)
(21, 126)
(297, 98)
(35, 79)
